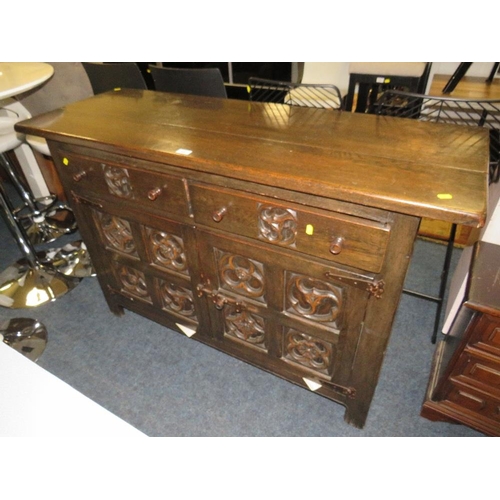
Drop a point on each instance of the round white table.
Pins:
(19, 77)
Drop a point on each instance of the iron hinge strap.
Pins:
(374, 287)
(350, 392)
(83, 201)
(218, 299)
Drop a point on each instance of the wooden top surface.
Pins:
(422, 169)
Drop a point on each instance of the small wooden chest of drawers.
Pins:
(465, 382)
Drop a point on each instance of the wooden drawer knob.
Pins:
(218, 215)
(337, 245)
(154, 193)
(79, 176)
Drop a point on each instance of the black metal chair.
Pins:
(368, 80)
(312, 95)
(444, 109)
(109, 76)
(460, 72)
(466, 112)
(195, 81)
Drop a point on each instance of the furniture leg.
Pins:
(456, 77)
(493, 72)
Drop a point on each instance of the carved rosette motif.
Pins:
(133, 282)
(308, 351)
(245, 325)
(177, 299)
(277, 225)
(167, 250)
(118, 181)
(117, 233)
(241, 275)
(313, 299)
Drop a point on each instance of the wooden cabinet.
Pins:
(465, 381)
(261, 235)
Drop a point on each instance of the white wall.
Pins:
(337, 73)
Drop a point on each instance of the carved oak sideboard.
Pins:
(278, 235)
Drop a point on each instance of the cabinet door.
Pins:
(279, 310)
(142, 261)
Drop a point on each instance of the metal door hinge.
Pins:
(374, 287)
(218, 299)
(315, 383)
(83, 201)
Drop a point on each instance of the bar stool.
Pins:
(40, 277)
(38, 216)
(370, 78)
(72, 259)
(29, 282)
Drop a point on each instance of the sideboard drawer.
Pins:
(154, 191)
(348, 240)
(479, 370)
(487, 334)
(478, 402)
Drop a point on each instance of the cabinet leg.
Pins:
(356, 414)
(116, 309)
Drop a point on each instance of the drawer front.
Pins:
(155, 192)
(487, 334)
(340, 238)
(478, 370)
(477, 402)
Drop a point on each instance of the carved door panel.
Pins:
(278, 309)
(143, 259)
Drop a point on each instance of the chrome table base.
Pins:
(23, 285)
(56, 272)
(25, 335)
(71, 260)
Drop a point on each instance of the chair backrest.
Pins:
(195, 81)
(312, 95)
(69, 84)
(108, 76)
(440, 109)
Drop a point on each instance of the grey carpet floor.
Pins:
(166, 384)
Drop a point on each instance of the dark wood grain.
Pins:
(293, 228)
(390, 163)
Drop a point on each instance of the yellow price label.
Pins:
(309, 229)
(445, 196)
(65, 161)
